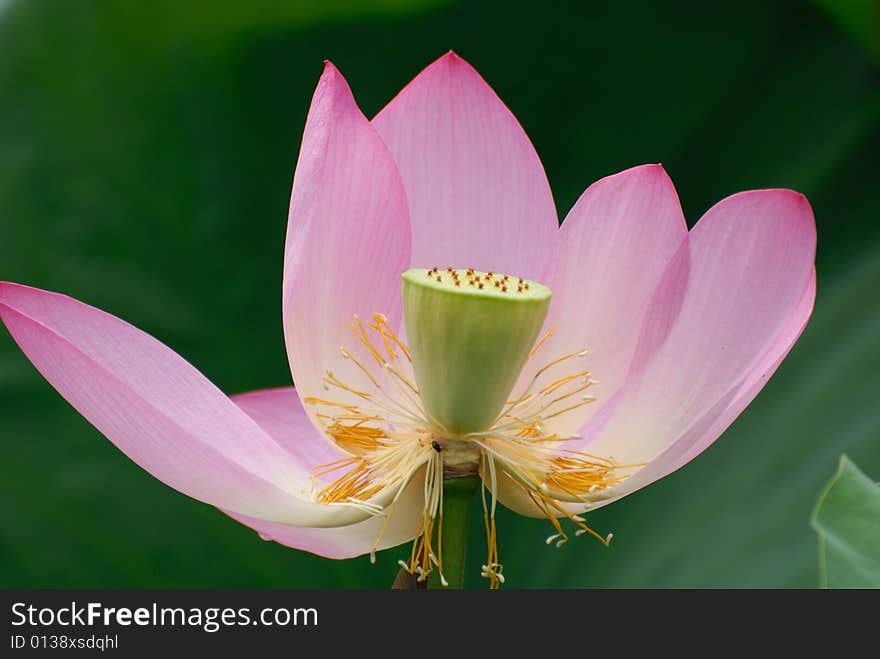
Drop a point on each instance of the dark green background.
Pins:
(146, 157)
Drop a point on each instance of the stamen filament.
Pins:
(391, 439)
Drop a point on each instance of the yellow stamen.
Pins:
(541, 341)
(383, 427)
(423, 558)
(556, 384)
(356, 438)
(389, 441)
(492, 570)
(361, 333)
(353, 484)
(380, 324)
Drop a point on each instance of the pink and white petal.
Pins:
(478, 194)
(159, 410)
(735, 287)
(698, 438)
(280, 414)
(403, 523)
(614, 246)
(348, 239)
(512, 496)
(714, 422)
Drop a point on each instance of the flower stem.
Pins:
(458, 493)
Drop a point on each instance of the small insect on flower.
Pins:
(627, 347)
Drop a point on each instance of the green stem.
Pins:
(458, 493)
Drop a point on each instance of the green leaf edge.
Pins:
(841, 466)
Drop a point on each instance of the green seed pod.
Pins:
(470, 333)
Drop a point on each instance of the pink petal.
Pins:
(614, 245)
(478, 195)
(715, 421)
(280, 414)
(724, 311)
(513, 497)
(348, 237)
(372, 534)
(159, 410)
(699, 436)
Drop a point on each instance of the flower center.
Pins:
(441, 408)
(470, 333)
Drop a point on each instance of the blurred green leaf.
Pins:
(860, 18)
(847, 519)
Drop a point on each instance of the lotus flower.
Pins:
(440, 323)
